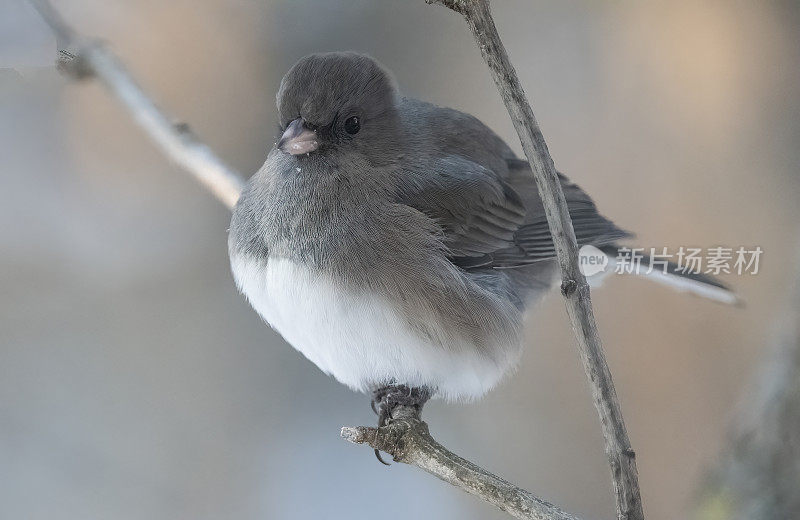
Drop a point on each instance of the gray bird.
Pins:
(398, 244)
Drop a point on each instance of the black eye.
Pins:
(352, 125)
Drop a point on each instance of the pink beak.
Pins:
(298, 139)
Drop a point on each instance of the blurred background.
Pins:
(135, 383)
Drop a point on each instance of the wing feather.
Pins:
(484, 199)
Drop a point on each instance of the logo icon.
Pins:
(591, 260)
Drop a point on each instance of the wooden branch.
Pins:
(81, 59)
(408, 440)
(621, 456)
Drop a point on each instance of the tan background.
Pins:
(135, 382)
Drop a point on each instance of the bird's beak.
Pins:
(298, 139)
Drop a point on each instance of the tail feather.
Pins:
(679, 279)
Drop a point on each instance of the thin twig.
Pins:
(81, 59)
(407, 439)
(620, 455)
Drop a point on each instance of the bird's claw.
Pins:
(386, 398)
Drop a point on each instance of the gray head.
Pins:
(338, 104)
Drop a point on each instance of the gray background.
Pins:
(135, 383)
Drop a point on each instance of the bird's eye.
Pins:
(352, 125)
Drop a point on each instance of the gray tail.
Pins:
(679, 279)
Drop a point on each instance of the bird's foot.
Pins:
(386, 399)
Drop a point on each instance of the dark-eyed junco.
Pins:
(395, 243)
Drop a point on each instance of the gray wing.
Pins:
(485, 200)
(477, 212)
(533, 242)
(493, 221)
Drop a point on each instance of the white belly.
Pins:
(360, 339)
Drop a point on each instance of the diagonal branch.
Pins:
(407, 439)
(82, 59)
(621, 456)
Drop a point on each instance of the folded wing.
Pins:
(492, 219)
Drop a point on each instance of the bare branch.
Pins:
(81, 59)
(407, 439)
(620, 455)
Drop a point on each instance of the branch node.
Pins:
(73, 65)
(182, 127)
(568, 287)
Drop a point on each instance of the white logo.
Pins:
(591, 260)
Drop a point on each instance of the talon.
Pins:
(380, 459)
(386, 398)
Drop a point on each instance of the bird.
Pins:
(398, 244)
